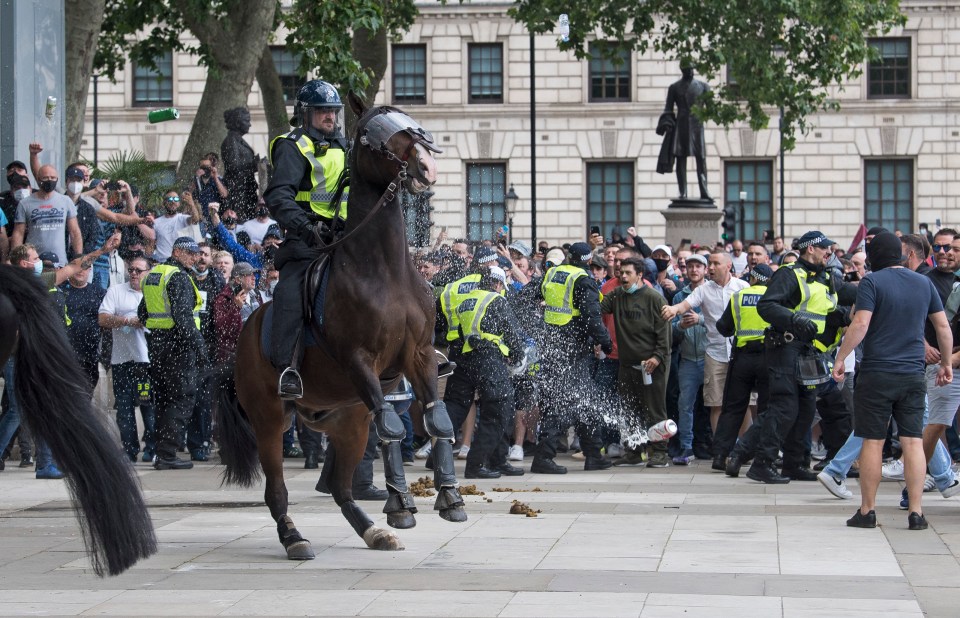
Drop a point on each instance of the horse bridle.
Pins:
(387, 122)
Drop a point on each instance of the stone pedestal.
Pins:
(696, 220)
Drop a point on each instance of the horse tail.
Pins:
(238, 442)
(54, 401)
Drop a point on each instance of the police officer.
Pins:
(308, 165)
(572, 317)
(170, 309)
(489, 334)
(796, 304)
(747, 371)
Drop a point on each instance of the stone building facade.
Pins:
(889, 156)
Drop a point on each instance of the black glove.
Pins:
(803, 328)
(606, 347)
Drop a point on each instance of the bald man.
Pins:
(44, 219)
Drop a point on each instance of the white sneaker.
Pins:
(892, 471)
(951, 491)
(515, 453)
(464, 451)
(424, 451)
(614, 450)
(835, 486)
(929, 484)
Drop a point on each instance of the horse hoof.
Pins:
(456, 514)
(300, 550)
(402, 520)
(384, 540)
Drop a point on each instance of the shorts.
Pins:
(880, 395)
(942, 401)
(714, 379)
(524, 393)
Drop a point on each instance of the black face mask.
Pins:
(11, 177)
(662, 265)
(48, 185)
(261, 212)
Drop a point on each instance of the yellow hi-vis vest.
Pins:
(816, 301)
(749, 324)
(66, 316)
(471, 313)
(557, 288)
(155, 296)
(324, 174)
(451, 297)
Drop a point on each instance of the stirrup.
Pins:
(290, 374)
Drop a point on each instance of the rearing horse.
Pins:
(377, 323)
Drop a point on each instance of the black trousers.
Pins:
(484, 372)
(746, 372)
(173, 380)
(570, 397)
(363, 474)
(293, 259)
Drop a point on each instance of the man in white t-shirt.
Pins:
(130, 360)
(168, 227)
(257, 227)
(712, 298)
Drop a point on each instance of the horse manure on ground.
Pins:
(470, 490)
(519, 508)
(510, 490)
(422, 488)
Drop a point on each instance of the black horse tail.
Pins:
(54, 401)
(238, 443)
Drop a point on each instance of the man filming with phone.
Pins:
(208, 186)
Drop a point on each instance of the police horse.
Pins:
(54, 401)
(375, 324)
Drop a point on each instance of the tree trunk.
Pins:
(84, 18)
(370, 50)
(271, 92)
(235, 43)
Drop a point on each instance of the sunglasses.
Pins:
(939, 248)
(135, 271)
(173, 199)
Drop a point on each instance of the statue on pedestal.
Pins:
(683, 134)
(241, 163)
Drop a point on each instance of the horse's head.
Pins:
(401, 147)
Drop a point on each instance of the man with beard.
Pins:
(168, 226)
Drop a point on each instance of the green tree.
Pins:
(781, 52)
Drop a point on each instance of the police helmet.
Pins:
(316, 94)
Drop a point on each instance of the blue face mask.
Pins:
(633, 288)
(38, 268)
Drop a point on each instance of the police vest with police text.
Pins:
(326, 167)
(157, 298)
(557, 288)
(451, 297)
(470, 314)
(750, 326)
(816, 300)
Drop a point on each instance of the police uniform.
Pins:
(489, 335)
(747, 371)
(796, 304)
(307, 168)
(170, 310)
(573, 326)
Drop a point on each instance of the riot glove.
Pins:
(803, 328)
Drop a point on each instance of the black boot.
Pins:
(312, 459)
(734, 462)
(509, 470)
(800, 474)
(481, 472)
(597, 463)
(370, 492)
(546, 466)
(764, 472)
(719, 463)
(291, 384)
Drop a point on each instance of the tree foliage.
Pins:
(782, 53)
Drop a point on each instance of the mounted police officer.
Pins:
(797, 302)
(170, 310)
(309, 163)
(572, 317)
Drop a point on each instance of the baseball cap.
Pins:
(814, 238)
(663, 248)
(273, 231)
(555, 257)
(521, 247)
(14, 164)
(187, 244)
(75, 172)
(696, 257)
(597, 260)
(50, 256)
(243, 269)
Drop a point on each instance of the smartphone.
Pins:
(684, 242)
(236, 288)
(594, 229)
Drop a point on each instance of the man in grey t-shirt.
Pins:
(44, 218)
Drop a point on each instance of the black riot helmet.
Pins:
(317, 94)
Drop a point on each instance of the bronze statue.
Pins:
(240, 162)
(683, 133)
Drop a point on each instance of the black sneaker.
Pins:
(174, 463)
(917, 521)
(859, 520)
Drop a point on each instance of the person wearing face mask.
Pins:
(259, 225)
(167, 228)
(46, 217)
(19, 188)
(83, 303)
(661, 256)
(268, 281)
(643, 344)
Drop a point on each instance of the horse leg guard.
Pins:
(356, 517)
(436, 420)
(400, 506)
(388, 424)
(400, 509)
(298, 548)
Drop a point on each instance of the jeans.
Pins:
(11, 421)
(131, 388)
(691, 380)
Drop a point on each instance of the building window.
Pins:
(609, 77)
(486, 73)
(416, 216)
(756, 179)
(288, 68)
(610, 201)
(486, 207)
(889, 193)
(889, 77)
(410, 74)
(153, 88)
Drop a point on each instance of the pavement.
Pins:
(681, 541)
